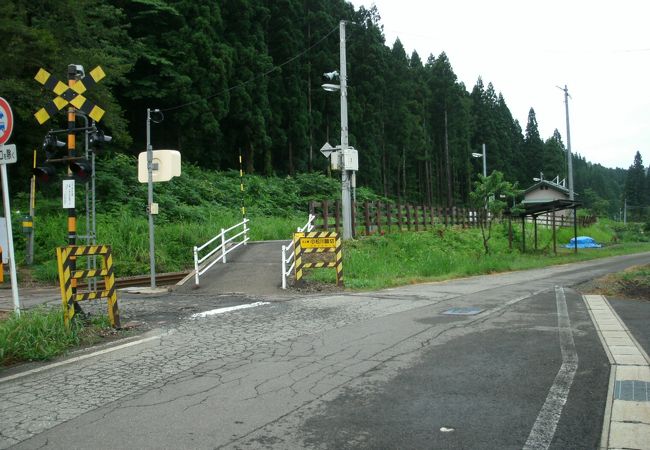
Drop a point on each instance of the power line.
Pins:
(262, 75)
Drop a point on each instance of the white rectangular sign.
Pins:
(3, 240)
(8, 154)
(68, 194)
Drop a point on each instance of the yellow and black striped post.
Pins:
(68, 275)
(72, 145)
(328, 247)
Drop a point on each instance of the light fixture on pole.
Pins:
(482, 155)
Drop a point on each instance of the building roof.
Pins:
(551, 185)
(538, 207)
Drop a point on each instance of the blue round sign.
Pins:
(6, 121)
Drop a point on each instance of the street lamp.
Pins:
(482, 155)
(346, 174)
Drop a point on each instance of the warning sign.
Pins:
(318, 250)
(318, 242)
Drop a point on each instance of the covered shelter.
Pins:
(536, 208)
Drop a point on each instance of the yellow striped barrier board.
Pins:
(318, 250)
(68, 277)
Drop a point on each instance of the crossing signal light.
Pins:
(81, 170)
(44, 174)
(51, 145)
(97, 139)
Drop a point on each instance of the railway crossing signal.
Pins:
(69, 95)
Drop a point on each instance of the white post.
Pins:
(10, 239)
(245, 231)
(345, 174)
(223, 246)
(196, 266)
(284, 267)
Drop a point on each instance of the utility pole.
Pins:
(484, 162)
(625, 212)
(345, 174)
(152, 242)
(568, 141)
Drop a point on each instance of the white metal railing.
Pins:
(225, 246)
(288, 261)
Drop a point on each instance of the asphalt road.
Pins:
(385, 369)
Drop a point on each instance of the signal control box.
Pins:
(347, 159)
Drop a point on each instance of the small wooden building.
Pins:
(547, 191)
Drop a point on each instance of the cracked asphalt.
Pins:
(351, 370)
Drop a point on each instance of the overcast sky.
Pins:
(599, 49)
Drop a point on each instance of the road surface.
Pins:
(502, 361)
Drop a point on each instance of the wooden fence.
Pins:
(380, 217)
(546, 220)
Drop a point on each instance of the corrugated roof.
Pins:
(555, 187)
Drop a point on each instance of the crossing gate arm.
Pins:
(204, 263)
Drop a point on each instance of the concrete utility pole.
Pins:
(568, 142)
(484, 162)
(152, 241)
(345, 174)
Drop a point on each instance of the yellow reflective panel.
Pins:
(60, 88)
(78, 101)
(42, 116)
(42, 75)
(97, 113)
(97, 73)
(78, 87)
(59, 102)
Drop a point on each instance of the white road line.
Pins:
(213, 312)
(543, 430)
(80, 358)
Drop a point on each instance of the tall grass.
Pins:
(39, 334)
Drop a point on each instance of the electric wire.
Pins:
(262, 75)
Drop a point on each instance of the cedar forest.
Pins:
(244, 76)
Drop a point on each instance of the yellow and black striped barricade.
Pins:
(316, 250)
(65, 256)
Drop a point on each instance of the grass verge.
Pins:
(376, 262)
(633, 283)
(40, 334)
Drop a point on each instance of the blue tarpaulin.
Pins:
(583, 242)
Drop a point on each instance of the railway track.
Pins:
(163, 279)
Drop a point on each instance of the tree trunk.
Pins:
(250, 161)
(311, 131)
(291, 168)
(447, 163)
